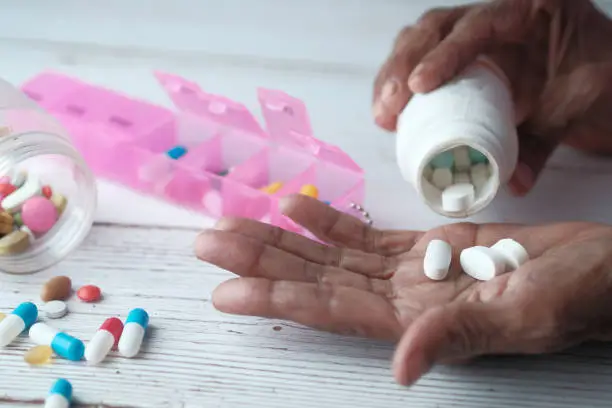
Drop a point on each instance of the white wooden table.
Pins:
(140, 253)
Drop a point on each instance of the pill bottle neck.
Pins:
(46, 153)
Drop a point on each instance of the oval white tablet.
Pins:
(458, 197)
(29, 189)
(437, 260)
(482, 263)
(513, 253)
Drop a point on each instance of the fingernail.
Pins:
(415, 80)
(388, 92)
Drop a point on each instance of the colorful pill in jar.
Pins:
(37, 160)
(309, 190)
(27, 213)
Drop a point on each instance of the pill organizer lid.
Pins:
(286, 117)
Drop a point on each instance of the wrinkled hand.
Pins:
(556, 54)
(371, 283)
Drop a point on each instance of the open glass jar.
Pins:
(47, 193)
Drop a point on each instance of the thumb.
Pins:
(454, 332)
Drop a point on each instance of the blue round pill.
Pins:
(444, 160)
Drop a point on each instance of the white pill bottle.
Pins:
(35, 148)
(474, 111)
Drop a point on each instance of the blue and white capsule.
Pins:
(13, 325)
(133, 333)
(62, 344)
(60, 395)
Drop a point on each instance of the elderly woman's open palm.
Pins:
(371, 283)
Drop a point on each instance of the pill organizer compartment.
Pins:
(228, 156)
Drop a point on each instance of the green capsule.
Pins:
(477, 157)
(444, 160)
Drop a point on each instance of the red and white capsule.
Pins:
(103, 341)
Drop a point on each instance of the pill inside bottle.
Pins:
(457, 178)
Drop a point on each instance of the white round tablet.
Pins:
(55, 309)
(437, 259)
(482, 263)
(458, 197)
(513, 253)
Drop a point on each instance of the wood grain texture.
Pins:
(198, 357)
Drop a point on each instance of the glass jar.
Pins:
(39, 166)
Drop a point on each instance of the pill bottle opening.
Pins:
(52, 162)
(459, 180)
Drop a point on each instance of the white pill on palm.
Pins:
(437, 260)
(513, 253)
(482, 263)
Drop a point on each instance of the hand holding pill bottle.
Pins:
(557, 64)
(458, 144)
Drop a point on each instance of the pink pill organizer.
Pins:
(211, 155)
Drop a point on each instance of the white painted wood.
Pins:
(198, 357)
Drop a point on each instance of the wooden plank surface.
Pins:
(327, 53)
(198, 357)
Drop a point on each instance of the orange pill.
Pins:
(89, 293)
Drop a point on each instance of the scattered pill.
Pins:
(47, 192)
(444, 160)
(15, 242)
(482, 263)
(6, 223)
(461, 177)
(60, 395)
(22, 318)
(2, 316)
(39, 214)
(272, 188)
(103, 341)
(177, 152)
(30, 188)
(55, 309)
(7, 188)
(59, 201)
(64, 345)
(56, 288)
(309, 190)
(462, 158)
(133, 333)
(477, 157)
(19, 178)
(458, 197)
(38, 355)
(89, 293)
(442, 178)
(437, 259)
(513, 253)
